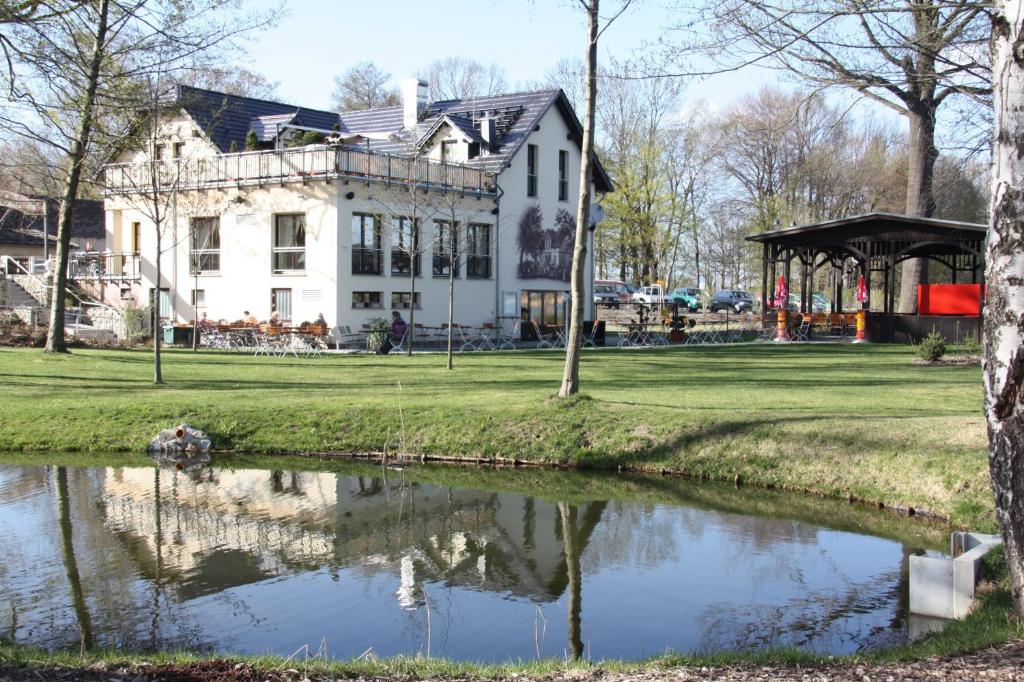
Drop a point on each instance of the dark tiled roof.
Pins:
(26, 229)
(227, 118)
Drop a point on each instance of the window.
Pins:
(366, 299)
(177, 149)
(136, 237)
(448, 151)
(478, 251)
(289, 243)
(166, 308)
(544, 307)
(198, 299)
(531, 170)
(205, 246)
(281, 300)
(563, 172)
(160, 152)
(446, 249)
(400, 299)
(405, 246)
(367, 256)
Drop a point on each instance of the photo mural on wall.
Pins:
(545, 253)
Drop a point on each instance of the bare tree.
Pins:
(908, 55)
(78, 69)
(573, 346)
(234, 80)
(364, 86)
(462, 78)
(1004, 308)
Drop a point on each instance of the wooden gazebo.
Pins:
(872, 246)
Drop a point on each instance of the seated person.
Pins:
(205, 321)
(398, 327)
(275, 317)
(321, 321)
(249, 319)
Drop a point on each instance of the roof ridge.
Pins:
(297, 107)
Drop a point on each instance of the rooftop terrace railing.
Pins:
(299, 164)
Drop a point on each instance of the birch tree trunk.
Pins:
(55, 335)
(571, 374)
(1003, 362)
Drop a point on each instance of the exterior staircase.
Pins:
(14, 295)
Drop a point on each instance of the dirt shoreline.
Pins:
(1005, 662)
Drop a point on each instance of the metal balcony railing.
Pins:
(300, 164)
(122, 267)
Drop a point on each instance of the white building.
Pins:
(251, 219)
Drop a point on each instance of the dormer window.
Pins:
(474, 150)
(448, 151)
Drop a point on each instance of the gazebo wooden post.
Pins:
(885, 287)
(838, 303)
(803, 282)
(764, 279)
(892, 280)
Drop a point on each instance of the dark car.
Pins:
(736, 300)
(606, 294)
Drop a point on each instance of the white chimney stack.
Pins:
(414, 101)
(487, 130)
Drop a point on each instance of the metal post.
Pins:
(764, 279)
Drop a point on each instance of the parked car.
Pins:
(735, 299)
(621, 289)
(819, 304)
(650, 294)
(690, 297)
(605, 294)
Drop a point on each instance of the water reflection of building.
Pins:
(218, 529)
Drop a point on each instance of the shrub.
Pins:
(932, 347)
(971, 345)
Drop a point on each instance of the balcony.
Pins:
(300, 164)
(106, 267)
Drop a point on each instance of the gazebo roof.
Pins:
(874, 227)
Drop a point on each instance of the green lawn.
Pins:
(842, 420)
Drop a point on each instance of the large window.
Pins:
(405, 246)
(531, 170)
(366, 299)
(446, 255)
(205, 246)
(563, 175)
(544, 307)
(478, 251)
(367, 255)
(281, 301)
(400, 300)
(289, 243)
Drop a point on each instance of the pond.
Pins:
(456, 563)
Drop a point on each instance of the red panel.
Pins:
(948, 299)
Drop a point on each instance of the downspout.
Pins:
(497, 251)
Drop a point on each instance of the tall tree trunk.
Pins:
(452, 260)
(1003, 361)
(920, 200)
(71, 563)
(571, 374)
(79, 149)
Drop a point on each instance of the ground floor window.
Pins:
(543, 307)
(281, 301)
(400, 299)
(198, 298)
(366, 299)
(166, 309)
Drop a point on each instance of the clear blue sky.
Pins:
(320, 39)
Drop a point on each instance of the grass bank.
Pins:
(845, 421)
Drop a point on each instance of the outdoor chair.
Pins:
(802, 332)
(506, 338)
(591, 338)
(543, 340)
(486, 330)
(399, 345)
(466, 341)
